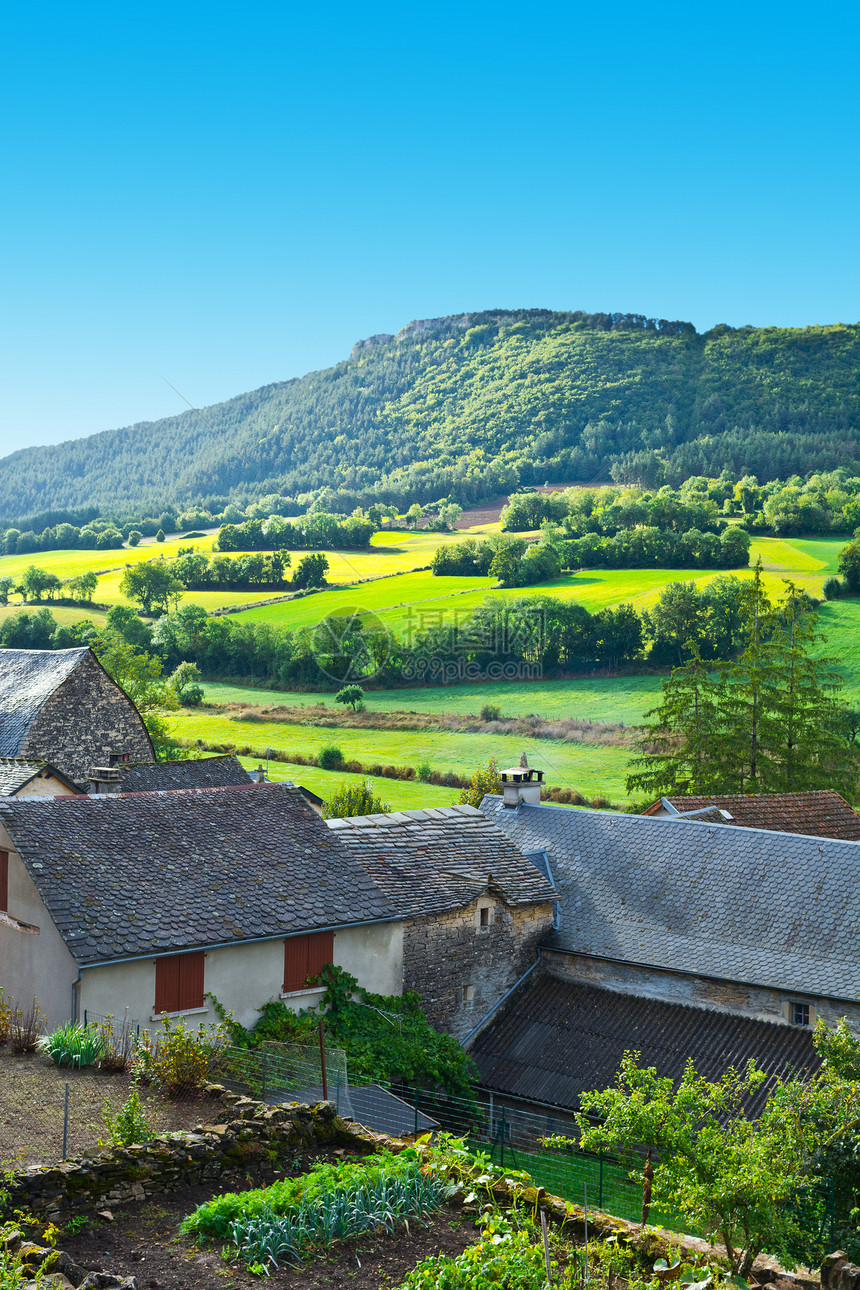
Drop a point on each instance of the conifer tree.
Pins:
(677, 754)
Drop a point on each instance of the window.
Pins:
(179, 982)
(485, 916)
(4, 881)
(800, 1014)
(305, 956)
(468, 994)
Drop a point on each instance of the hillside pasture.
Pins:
(400, 795)
(589, 769)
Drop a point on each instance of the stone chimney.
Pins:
(521, 784)
(258, 775)
(104, 779)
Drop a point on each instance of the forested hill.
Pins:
(474, 405)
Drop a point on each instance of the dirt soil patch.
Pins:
(32, 1098)
(143, 1241)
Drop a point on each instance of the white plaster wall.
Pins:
(244, 977)
(34, 960)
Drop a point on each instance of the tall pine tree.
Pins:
(769, 721)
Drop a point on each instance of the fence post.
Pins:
(502, 1160)
(263, 1074)
(85, 1016)
(600, 1182)
(66, 1123)
(491, 1133)
(322, 1063)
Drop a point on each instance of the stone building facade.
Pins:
(62, 707)
(462, 966)
(474, 908)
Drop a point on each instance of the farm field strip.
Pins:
(400, 795)
(605, 699)
(590, 769)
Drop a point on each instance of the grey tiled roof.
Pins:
(201, 772)
(775, 909)
(555, 1039)
(28, 678)
(440, 859)
(155, 872)
(15, 772)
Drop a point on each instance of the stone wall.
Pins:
(759, 1002)
(86, 719)
(462, 968)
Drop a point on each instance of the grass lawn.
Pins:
(840, 621)
(592, 770)
(403, 591)
(608, 699)
(400, 795)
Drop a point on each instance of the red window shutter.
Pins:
(4, 881)
(167, 984)
(179, 982)
(320, 951)
(295, 963)
(191, 980)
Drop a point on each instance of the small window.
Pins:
(4, 881)
(468, 993)
(800, 1014)
(179, 982)
(484, 916)
(304, 957)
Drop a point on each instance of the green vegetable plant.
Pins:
(129, 1125)
(74, 1044)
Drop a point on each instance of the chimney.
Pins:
(521, 784)
(104, 779)
(258, 775)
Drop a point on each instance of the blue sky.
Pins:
(220, 196)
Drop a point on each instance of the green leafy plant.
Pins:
(129, 1125)
(354, 799)
(329, 757)
(491, 712)
(178, 1059)
(74, 1044)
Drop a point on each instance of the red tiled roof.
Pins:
(821, 814)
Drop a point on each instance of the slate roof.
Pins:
(16, 772)
(822, 814)
(440, 859)
(150, 873)
(28, 678)
(201, 772)
(556, 1039)
(775, 909)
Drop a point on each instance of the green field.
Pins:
(400, 795)
(415, 601)
(621, 699)
(593, 771)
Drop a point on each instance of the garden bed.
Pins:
(144, 1241)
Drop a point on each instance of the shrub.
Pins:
(130, 1125)
(24, 1027)
(329, 757)
(73, 1044)
(486, 779)
(134, 538)
(7, 1008)
(192, 696)
(833, 588)
(354, 799)
(424, 770)
(491, 712)
(176, 1059)
(159, 537)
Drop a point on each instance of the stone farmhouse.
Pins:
(62, 707)
(678, 936)
(472, 910)
(151, 901)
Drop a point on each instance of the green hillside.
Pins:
(474, 406)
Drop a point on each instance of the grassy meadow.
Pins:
(400, 795)
(592, 770)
